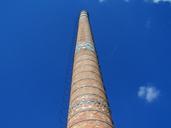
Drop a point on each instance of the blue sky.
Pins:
(132, 39)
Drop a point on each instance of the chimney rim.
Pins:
(84, 12)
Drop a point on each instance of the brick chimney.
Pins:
(88, 104)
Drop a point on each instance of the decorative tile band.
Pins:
(87, 46)
(100, 103)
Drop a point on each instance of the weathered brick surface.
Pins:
(88, 104)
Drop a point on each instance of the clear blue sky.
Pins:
(133, 42)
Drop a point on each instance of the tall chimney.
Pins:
(88, 103)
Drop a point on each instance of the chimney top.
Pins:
(83, 12)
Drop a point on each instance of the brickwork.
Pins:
(88, 104)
